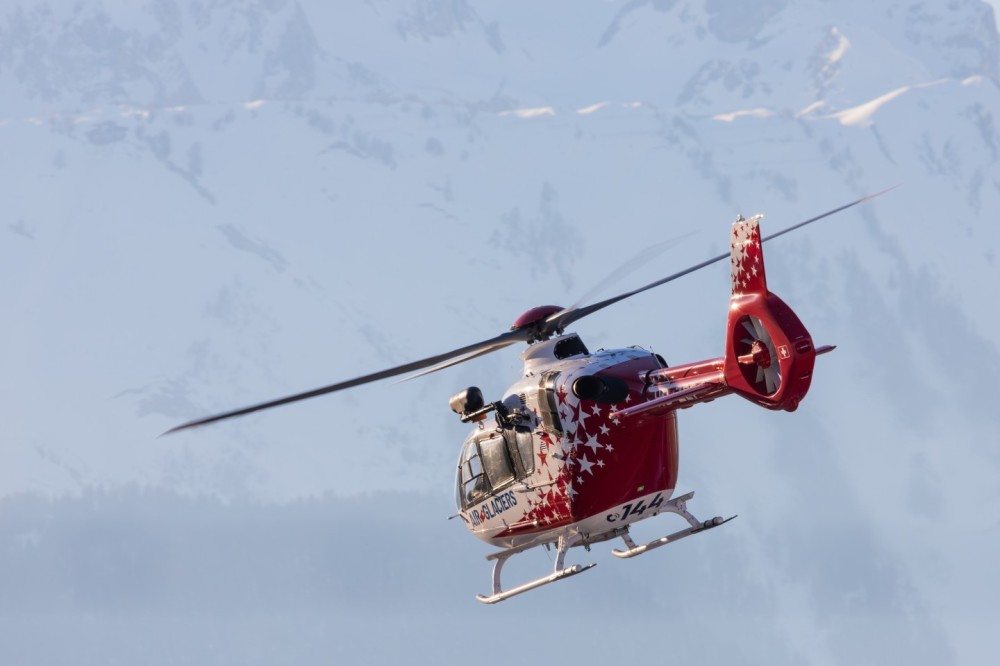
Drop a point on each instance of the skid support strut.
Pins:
(677, 505)
(563, 545)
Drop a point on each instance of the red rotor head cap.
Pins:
(535, 315)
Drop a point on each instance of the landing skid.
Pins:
(558, 573)
(677, 505)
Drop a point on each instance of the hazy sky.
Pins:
(209, 204)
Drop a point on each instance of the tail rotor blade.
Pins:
(772, 386)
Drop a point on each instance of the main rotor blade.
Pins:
(469, 352)
(553, 324)
(560, 320)
(460, 359)
(633, 264)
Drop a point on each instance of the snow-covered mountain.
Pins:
(207, 204)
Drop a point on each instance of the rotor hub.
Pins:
(760, 353)
(535, 318)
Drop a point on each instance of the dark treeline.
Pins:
(131, 549)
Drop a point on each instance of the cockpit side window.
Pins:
(496, 461)
(525, 446)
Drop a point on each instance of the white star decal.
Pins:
(585, 464)
(600, 463)
(605, 429)
(571, 491)
(610, 448)
(592, 443)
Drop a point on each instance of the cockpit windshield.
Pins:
(491, 460)
(472, 481)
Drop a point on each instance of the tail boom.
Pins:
(769, 354)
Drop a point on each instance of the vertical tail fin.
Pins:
(769, 353)
(747, 257)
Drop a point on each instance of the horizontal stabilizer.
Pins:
(681, 399)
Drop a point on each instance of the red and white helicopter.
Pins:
(584, 444)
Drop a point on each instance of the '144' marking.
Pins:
(635, 509)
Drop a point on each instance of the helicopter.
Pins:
(584, 444)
